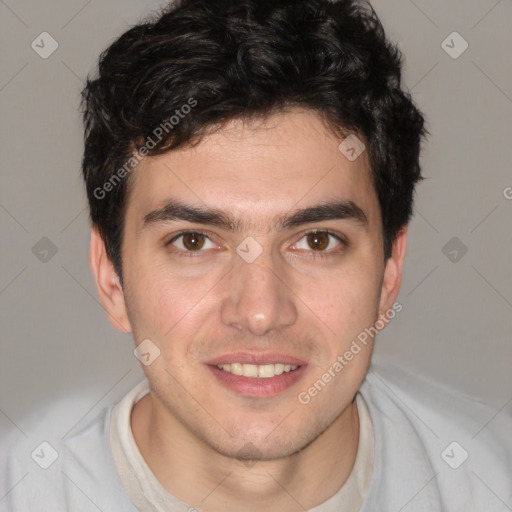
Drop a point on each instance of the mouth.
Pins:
(257, 375)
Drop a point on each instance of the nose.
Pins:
(258, 298)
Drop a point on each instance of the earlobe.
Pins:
(108, 284)
(392, 279)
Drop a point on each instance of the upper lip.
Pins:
(258, 358)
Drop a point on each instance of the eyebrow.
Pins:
(175, 210)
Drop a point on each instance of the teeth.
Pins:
(278, 368)
(236, 368)
(250, 370)
(266, 370)
(262, 371)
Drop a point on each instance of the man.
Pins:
(250, 169)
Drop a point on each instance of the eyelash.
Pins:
(326, 254)
(314, 254)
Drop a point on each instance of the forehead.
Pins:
(256, 171)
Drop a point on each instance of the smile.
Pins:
(251, 380)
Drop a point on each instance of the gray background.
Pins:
(56, 341)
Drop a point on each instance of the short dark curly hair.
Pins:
(244, 59)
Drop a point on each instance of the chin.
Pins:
(263, 447)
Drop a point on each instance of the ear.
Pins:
(392, 279)
(108, 284)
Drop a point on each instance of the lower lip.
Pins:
(254, 387)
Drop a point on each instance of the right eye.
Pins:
(191, 241)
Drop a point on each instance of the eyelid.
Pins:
(175, 236)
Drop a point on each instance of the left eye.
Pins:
(319, 241)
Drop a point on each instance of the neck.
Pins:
(196, 474)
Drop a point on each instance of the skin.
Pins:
(190, 429)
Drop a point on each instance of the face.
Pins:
(259, 249)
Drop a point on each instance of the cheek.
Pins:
(346, 308)
(166, 303)
(345, 301)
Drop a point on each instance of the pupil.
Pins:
(318, 241)
(193, 241)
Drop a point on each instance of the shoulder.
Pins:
(44, 471)
(439, 408)
(467, 443)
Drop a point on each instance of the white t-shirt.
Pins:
(435, 450)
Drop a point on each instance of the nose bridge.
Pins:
(258, 299)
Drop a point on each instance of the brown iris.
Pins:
(193, 241)
(318, 241)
